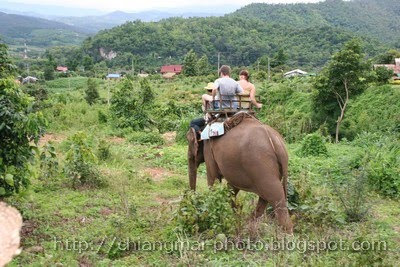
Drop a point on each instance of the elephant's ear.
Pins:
(192, 140)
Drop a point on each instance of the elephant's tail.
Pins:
(281, 155)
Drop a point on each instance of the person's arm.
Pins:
(215, 89)
(239, 89)
(253, 97)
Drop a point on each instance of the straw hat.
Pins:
(209, 86)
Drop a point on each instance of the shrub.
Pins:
(39, 92)
(92, 93)
(208, 212)
(353, 194)
(313, 145)
(146, 138)
(48, 162)
(127, 107)
(382, 162)
(182, 131)
(383, 75)
(102, 116)
(20, 129)
(103, 150)
(80, 161)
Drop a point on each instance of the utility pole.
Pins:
(258, 66)
(269, 70)
(219, 61)
(108, 88)
(133, 68)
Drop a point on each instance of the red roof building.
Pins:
(61, 69)
(171, 69)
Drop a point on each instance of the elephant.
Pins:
(251, 157)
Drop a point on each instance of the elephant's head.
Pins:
(195, 156)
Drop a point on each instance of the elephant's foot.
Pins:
(282, 215)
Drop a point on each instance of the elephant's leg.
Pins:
(261, 205)
(282, 215)
(213, 172)
(273, 193)
(235, 193)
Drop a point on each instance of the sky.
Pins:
(135, 5)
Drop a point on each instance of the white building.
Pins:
(294, 73)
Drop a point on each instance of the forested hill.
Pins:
(308, 33)
(18, 29)
(375, 18)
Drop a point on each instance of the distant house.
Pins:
(295, 73)
(62, 69)
(171, 69)
(114, 76)
(395, 67)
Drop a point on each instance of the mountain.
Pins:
(18, 29)
(307, 33)
(96, 23)
(375, 18)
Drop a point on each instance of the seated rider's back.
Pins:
(228, 88)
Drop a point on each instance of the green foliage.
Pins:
(383, 75)
(353, 194)
(6, 66)
(49, 68)
(203, 66)
(383, 162)
(102, 116)
(80, 162)
(208, 212)
(146, 92)
(144, 138)
(341, 80)
(313, 145)
(288, 108)
(279, 59)
(103, 150)
(87, 63)
(39, 92)
(127, 107)
(91, 92)
(190, 65)
(182, 131)
(48, 162)
(376, 110)
(388, 57)
(20, 129)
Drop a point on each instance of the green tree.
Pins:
(100, 69)
(20, 128)
(203, 66)
(6, 66)
(383, 75)
(87, 63)
(49, 68)
(127, 107)
(343, 78)
(92, 93)
(190, 64)
(146, 92)
(388, 57)
(279, 59)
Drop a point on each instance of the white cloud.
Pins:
(135, 5)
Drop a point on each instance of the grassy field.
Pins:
(127, 219)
